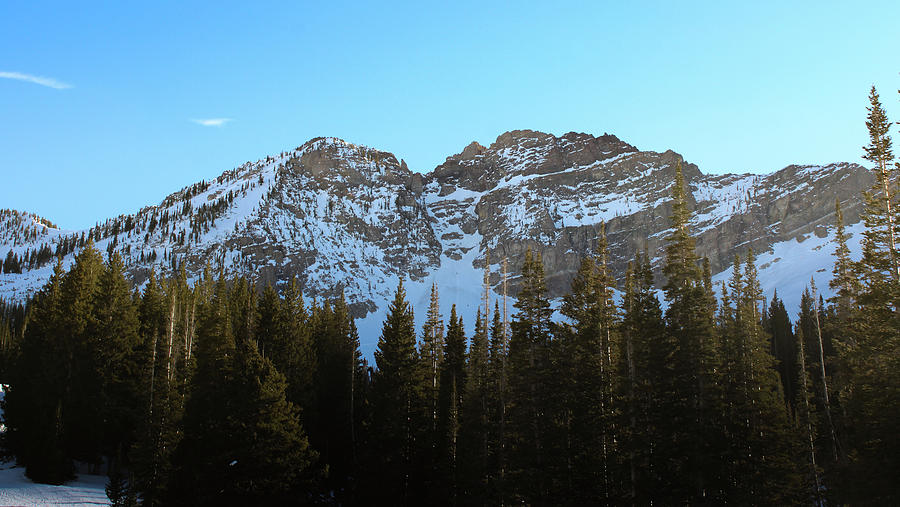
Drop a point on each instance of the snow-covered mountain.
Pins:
(346, 217)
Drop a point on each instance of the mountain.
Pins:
(349, 218)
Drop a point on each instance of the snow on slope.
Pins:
(787, 267)
(16, 489)
(351, 219)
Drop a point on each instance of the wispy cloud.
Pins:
(211, 122)
(43, 81)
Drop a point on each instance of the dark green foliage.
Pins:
(761, 441)
(784, 348)
(696, 440)
(243, 440)
(205, 395)
(475, 444)
(33, 403)
(335, 420)
(452, 389)
(587, 352)
(395, 391)
(643, 370)
(431, 356)
(529, 376)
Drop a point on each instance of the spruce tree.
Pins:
(529, 361)
(759, 465)
(431, 356)
(32, 406)
(843, 282)
(475, 445)
(880, 238)
(694, 430)
(205, 452)
(82, 400)
(643, 368)
(337, 378)
(498, 410)
(589, 418)
(395, 391)
(243, 443)
(784, 349)
(870, 334)
(160, 428)
(114, 337)
(452, 389)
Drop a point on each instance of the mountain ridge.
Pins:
(350, 219)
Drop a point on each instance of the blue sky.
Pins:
(118, 121)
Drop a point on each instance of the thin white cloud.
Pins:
(43, 81)
(211, 122)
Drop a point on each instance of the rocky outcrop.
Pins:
(351, 219)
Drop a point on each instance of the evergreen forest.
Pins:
(221, 392)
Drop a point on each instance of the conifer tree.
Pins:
(784, 348)
(114, 335)
(452, 389)
(475, 446)
(244, 443)
(843, 282)
(395, 392)
(529, 361)
(337, 380)
(589, 418)
(82, 403)
(431, 356)
(880, 243)
(697, 440)
(205, 452)
(643, 368)
(160, 428)
(498, 411)
(297, 349)
(33, 403)
(759, 465)
(806, 418)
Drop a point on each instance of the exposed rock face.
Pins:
(552, 193)
(351, 219)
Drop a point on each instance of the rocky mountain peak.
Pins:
(352, 220)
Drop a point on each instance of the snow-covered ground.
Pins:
(16, 489)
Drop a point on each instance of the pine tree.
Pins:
(114, 337)
(33, 403)
(498, 410)
(880, 244)
(643, 367)
(394, 393)
(759, 465)
(452, 389)
(784, 349)
(529, 361)
(244, 443)
(843, 281)
(431, 356)
(475, 446)
(694, 429)
(589, 418)
(160, 428)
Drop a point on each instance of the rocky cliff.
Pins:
(351, 219)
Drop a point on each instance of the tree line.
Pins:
(214, 392)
